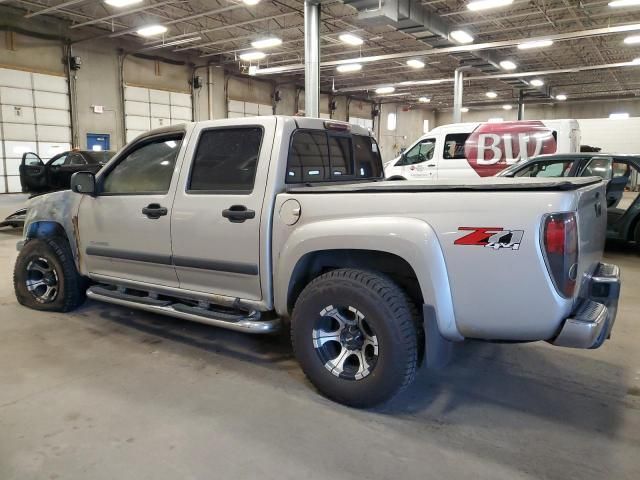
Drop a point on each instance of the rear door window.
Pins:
(598, 167)
(226, 160)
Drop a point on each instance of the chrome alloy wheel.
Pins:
(345, 342)
(42, 280)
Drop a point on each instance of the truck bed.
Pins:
(479, 184)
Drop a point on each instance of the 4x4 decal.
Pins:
(492, 237)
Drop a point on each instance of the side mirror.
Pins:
(83, 182)
(402, 150)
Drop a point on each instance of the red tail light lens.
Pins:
(560, 241)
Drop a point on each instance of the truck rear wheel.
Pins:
(355, 336)
(45, 276)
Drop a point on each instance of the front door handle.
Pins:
(154, 211)
(430, 165)
(238, 213)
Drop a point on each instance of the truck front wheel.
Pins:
(355, 336)
(45, 276)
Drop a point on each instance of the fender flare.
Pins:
(409, 238)
(55, 214)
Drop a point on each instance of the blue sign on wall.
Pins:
(98, 141)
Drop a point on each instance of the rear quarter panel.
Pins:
(495, 293)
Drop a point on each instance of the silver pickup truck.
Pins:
(255, 223)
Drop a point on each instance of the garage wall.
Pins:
(31, 53)
(287, 103)
(99, 68)
(409, 127)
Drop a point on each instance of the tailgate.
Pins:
(592, 227)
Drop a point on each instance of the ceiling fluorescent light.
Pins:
(251, 2)
(121, 3)
(349, 67)
(383, 90)
(420, 82)
(535, 44)
(464, 110)
(266, 42)
(508, 65)
(491, 94)
(413, 63)
(151, 30)
(460, 36)
(424, 100)
(174, 43)
(562, 97)
(536, 82)
(619, 116)
(624, 3)
(632, 40)
(351, 39)
(255, 55)
(477, 5)
(635, 61)
(507, 107)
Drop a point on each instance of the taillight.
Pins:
(560, 241)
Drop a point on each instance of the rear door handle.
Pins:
(154, 211)
(238, 213)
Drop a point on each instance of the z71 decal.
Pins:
(492, 237)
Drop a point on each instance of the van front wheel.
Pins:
(355, 336)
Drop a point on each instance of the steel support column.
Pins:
(312, 58)
(458, 86)
(521, 105)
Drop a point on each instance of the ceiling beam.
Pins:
(496, 76)
(53, 8)
(460, 48)
(124, 14)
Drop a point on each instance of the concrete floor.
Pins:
(110, 393)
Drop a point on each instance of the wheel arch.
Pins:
(405, 248)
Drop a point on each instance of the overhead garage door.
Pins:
(34, 117)
(148, 108)
(238, 109)
(363, 122)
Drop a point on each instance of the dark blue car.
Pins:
(622, 172)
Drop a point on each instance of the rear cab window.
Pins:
(317, 156)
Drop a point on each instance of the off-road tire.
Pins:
(391, 315)
(71, 286)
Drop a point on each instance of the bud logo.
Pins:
(493, 146)
(492, 237)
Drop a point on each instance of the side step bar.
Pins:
(247, 323)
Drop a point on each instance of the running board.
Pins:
(247, 323)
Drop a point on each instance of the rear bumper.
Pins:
(592, 321)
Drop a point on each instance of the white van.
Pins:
(481, 149)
